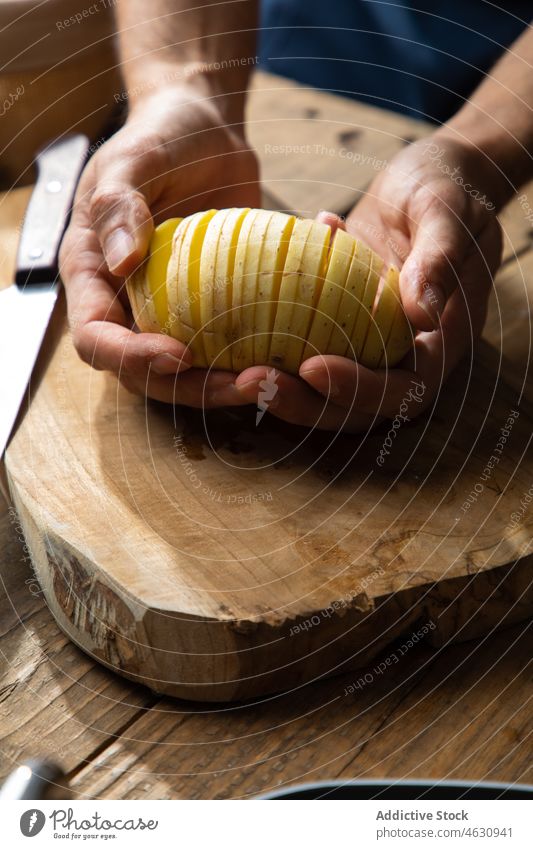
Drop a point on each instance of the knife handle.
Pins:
(58, 170)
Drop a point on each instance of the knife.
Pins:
(36, 779)
(27, 304)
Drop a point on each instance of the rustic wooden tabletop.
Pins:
(461, 712)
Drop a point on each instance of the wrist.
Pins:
(185, 83)
(492, 155)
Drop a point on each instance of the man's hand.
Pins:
(173, 156)
(431, 213)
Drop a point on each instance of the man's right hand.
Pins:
(172, 157)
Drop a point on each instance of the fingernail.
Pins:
(320, 382)
(227, 395)
(167, 364)
(242, 387)
(118, 246)
(252, 393)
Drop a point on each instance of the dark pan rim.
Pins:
(384, 788)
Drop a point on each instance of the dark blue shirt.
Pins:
(419, 57)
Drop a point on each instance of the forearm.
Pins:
(498, 122)
(207, 48)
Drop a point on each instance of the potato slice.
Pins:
(251, 246)
(175, 309)
(364, 315)
(339, 262)
(382, 319)
(293, 269)
(183, 281)
(141, 301)
(310, 285)
(301, 284)
(237, 295)
(351, 300)
(208, 281)
(400, 341)
(222, 289)
(271, 264)
(159, 254)
(146, 287)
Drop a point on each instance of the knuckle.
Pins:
(79, 340)
(82, 340)
(104, 201)
(109, 204)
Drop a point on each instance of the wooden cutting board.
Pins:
(212, 558)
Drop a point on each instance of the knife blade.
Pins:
(27, 304)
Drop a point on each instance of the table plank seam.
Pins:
(112, 739)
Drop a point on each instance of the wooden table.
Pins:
(458, 712)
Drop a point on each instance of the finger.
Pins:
(441, 241)
(332, 220)
(119, 203)
(197, 388)
(107, 345)
(352, 386)
(121, 218)
(100, 325)
(410, 390)
(288, 398)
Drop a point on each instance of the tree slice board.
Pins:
(214, 558)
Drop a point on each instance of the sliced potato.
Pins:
(381, 321)
(351, 300)
(362, 322)
(208, 280)
(400, 341)
(175, 306)
(159, 254)
(271, 264)
(141, 301)
(301, 283)
(243, 287)
(146, 287)
(339, 262)
(247, 263)
(222, 290)
(189, 244)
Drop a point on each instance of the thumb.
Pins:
(432, 269)
(121, 218)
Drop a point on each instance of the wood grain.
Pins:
(465, 708)
(54, 701)
(459, 713)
